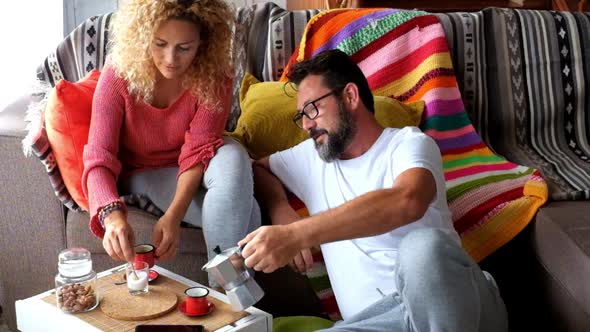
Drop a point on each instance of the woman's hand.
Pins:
(118, 238)
(165, 236)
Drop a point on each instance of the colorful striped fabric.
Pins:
(524, 78)
(405, 55)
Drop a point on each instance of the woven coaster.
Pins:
(221, 316)
(119, 304)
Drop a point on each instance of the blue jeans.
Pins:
(440, 287)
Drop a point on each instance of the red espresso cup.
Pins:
(145, 253)
(196, 300)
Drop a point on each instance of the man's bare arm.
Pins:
(373, 213)
(272, 195)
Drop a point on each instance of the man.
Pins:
(378, 208)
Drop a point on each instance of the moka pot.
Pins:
(229, 270)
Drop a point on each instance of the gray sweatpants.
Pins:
(224, 206)
(441, 289)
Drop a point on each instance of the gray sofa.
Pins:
(542, 273)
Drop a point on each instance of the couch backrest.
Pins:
(522, 75)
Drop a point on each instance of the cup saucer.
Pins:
(153, 275)
(182, 308)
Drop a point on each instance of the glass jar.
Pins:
(75, 284)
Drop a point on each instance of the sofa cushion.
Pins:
(266, 124)
(67, 121)
(12, 117)
(560, 241)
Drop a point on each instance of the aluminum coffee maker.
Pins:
(231, 273)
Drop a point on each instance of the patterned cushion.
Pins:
(80, 52)
(539, 94)
(285, 29)
(244, 18)
(465, 36)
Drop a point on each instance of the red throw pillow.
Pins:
(67, 120)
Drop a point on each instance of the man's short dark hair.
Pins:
(337, 69)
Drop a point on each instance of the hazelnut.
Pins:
(75, 298)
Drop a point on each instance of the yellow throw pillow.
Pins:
(265, 125)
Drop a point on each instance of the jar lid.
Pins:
(74, 262)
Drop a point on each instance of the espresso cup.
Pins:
(196, 300)
(145, 253)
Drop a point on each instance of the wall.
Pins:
(29, 31)
(241, 3)
(76, 11)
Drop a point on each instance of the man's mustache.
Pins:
(315, 132)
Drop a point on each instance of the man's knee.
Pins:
(425, 248)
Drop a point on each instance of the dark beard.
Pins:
(337, 141)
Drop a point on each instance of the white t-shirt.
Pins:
(358, 269)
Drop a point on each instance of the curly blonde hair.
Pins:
(132, 30)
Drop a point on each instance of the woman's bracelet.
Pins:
(108, 209)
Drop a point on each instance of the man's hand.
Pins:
(270, 247)
(165, 236)
(284, 215)
(303, 261)
(118, 237)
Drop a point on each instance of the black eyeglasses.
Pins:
(310, 110)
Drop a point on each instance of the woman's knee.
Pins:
(230, 165)
(232, 153)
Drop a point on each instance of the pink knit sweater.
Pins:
(128, 136)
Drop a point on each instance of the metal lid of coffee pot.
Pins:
(227, 266)
(229, 270)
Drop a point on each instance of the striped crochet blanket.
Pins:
(404, 55)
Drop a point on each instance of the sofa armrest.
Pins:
(12, 117)
(32, 219)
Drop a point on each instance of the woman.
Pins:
(158, 115)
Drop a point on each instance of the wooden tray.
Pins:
(221, 316)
